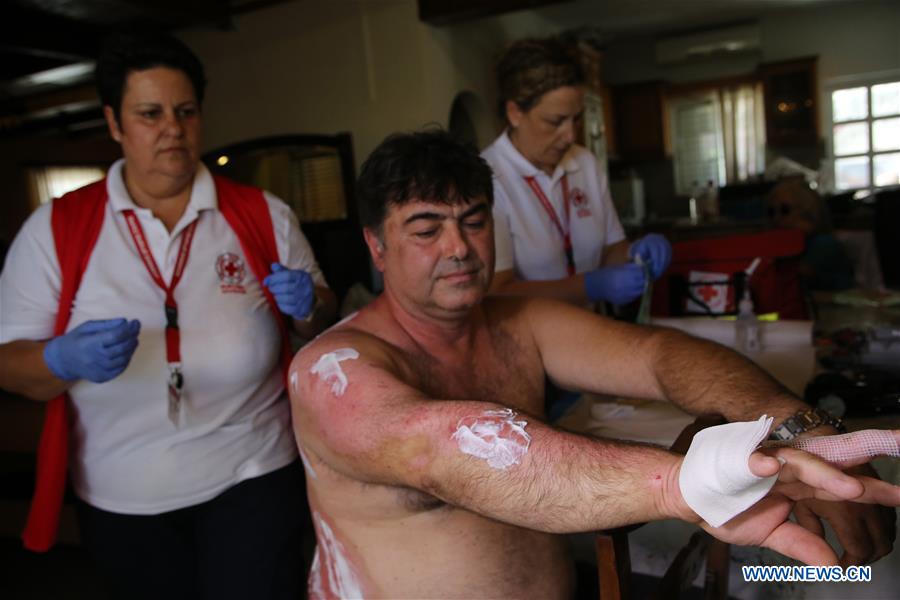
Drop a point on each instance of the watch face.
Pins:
(833, 404)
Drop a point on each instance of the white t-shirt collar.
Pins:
(568, 164)
(203, 190)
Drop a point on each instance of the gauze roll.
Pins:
(850, 448)
(715, 479)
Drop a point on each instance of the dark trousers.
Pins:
(245, 543)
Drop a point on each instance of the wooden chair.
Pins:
(614, 561)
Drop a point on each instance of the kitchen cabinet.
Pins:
(791, 106)
(640, 125)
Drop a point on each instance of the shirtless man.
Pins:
(430, 472)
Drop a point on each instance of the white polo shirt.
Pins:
(525, 237)
(126, 455)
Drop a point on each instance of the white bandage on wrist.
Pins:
(715, 478)
(850, 447)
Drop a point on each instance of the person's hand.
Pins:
(803, 476)
(866, 532)
(293, 290)
(95, 350)
(619, 285)
(654, 250)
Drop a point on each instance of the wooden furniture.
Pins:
(614, 562)
(790, 91)
(640, 124)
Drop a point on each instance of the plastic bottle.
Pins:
(746, 327)
(694, 203)
(710, 201)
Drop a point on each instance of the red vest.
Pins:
(76, 220)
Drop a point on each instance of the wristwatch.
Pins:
(804, 421)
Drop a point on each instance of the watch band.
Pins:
(804, 421)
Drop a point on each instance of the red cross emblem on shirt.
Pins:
(578, 198)
(580, 202)
(230, 268)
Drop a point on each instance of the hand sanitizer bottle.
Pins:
(746, 326)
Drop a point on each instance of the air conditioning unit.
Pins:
(704, 44)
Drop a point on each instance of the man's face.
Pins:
(436, 258)
(545, 133)
(159, 123)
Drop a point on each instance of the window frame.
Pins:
(867, 81)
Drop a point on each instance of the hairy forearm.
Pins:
(702, 377)
(569, 483)
(24, 371)
(562, 483)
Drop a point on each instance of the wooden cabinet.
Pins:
(639, 119)
(790, 91)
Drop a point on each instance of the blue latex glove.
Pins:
(619, 285)
(654, 250)
(95, 350)
(293, 289)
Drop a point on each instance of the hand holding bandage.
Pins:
(746, 496)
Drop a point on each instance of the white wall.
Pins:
(370, 68)
(313, 67)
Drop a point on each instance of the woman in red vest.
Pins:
(151, 309)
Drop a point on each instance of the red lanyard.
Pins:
(173, 336)
(563, 232)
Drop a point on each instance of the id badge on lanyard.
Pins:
(175, 388)
(175, 378)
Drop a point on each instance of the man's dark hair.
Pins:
(426, 165)
(529, 68)
(125, 52)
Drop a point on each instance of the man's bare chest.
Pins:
(502, 372)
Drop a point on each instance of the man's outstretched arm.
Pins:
(590, 353)
(353, 408)
(587, 352)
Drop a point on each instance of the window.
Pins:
(865, 135)
(696, 137)
(308, 177)
(47, 183)
(717, 135)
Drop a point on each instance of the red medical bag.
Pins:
(775, 285)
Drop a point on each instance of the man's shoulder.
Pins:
(356, 336)
(332, 340)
